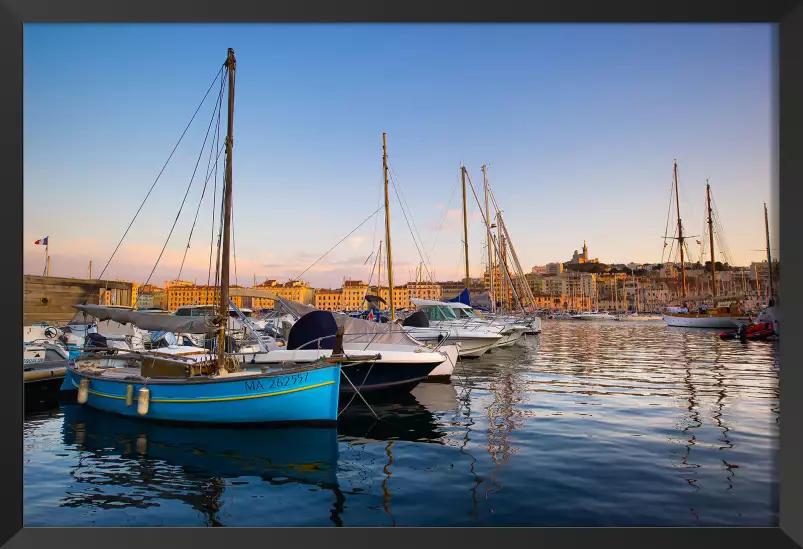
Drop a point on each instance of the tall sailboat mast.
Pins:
(379, 273)
(387, 226)
(490, 243)
(465, 224)
(680, 234)
(711, 240)
(226, 244)
(502, 281)
(771, 290)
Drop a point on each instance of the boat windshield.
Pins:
(464, 313)
(439, 313)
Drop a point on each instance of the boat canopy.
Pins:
(463, 298)
(151, 321)
(356, 330)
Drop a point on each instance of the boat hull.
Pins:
(300, 395)
(43, 382)
(444, 370)
(470, 347)
(534, 327)
(392, 371)
(383, 376)
(705, 321)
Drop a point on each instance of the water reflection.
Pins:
(156, 462)
(125, 463)
(595, 424)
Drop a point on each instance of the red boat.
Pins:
(759, 331)
(754, 332)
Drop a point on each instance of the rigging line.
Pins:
(426, 261)
(214, 192)
(376, 219)
(373, 270)
(405, 204)
(160, 173)
(218, 274)
(443, 219)
(233, 243)
(420, 255)
(340, 242)
(192, 229)
(668, 214)
(184, 200)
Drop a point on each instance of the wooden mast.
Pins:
(771, 290)
(711, 241)
(490, 244)
(226, 245)
(501, 250)
(379, 274)
(680, 235)
(387, 226)
(465, 224)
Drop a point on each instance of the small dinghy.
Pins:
(754, 332)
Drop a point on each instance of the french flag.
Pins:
(42, 241)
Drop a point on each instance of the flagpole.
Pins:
(47, 260)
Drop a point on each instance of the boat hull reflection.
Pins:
(305, 455)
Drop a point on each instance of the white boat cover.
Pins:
(356, 330)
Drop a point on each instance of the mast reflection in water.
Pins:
(592, 423)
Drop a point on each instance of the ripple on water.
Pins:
(591, 423)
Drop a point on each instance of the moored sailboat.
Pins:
(718, 317)
(187, 384)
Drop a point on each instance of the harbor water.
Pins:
(588, 424)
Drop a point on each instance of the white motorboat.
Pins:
(594, 315)
(436, 322)
(376, 356)
(466, 318)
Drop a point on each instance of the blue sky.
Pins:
(579, 125)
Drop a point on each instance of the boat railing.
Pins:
(374, 335)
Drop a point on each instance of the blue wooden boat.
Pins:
(308, 393)
(188, 384)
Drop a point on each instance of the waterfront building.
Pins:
(424, 290)
(294, 290)
(328, 299)
(401, 296)
(180, 295)
(452, 288)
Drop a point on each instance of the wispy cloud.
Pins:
(356, 241)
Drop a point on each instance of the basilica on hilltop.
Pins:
(582, 258)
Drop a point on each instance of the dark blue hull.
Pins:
(382, 376)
